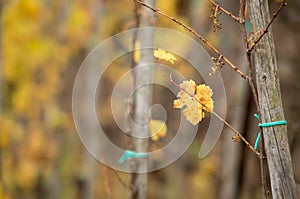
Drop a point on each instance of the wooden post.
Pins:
(267, 79)
(143, 99)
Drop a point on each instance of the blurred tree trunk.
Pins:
(231, 153)
(86, 180)
(143, 98)
(267, 79)
(237, 111)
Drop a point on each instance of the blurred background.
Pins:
(42, 47)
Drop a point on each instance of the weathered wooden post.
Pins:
(267, 79)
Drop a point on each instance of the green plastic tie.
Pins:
(131, 154)
(257, 141)
(256, 115)
(269, 124)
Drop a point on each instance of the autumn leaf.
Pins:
(158, 129)
(162, 54)
(194, 100)
(203, 95)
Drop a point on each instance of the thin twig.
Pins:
(217, 115)
(252, 85)
(106, 182)
(214, 18)
(243, 14)
(188, 28)
(236, 132)
(130, 105)
(283, 4)
(235, 18)
(262, 169)
(119, 178)
(245, 10)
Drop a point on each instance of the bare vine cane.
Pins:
(206, 42)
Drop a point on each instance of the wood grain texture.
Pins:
(267, 79)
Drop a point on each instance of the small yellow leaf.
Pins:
(177, 103)
(162, 54)
(158, 129)
(194, 100)
(136, 52)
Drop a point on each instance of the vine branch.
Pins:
(206, 42)
(266, 30)
(243, 14)
(106, 182)
(119, 178)
(235, 18)
(213, 112)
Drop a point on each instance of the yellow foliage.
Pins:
(78, 25)
(34, 59)
(30, 8)
(54, 117)
(27, 174)
(206, 172)
(162, 54)
(158, 129)
(194, 100)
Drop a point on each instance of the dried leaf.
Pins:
(194, 100)
(162, 54)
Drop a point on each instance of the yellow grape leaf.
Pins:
(162, 54)
(158, 129)
(203, 95)
(194, 100)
